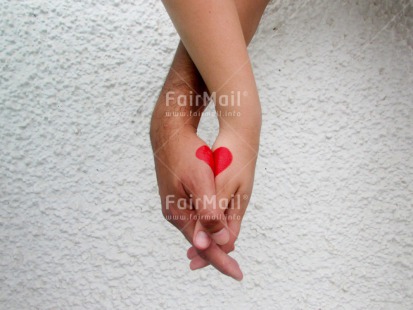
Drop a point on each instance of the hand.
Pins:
(183, 177)
(233, 187)
(247, 15)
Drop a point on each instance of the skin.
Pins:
(174, 139)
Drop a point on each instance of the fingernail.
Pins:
(221, 237)
(202, 240)
(237, 273)
(191, 253)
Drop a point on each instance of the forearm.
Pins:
(172, 111)
(221, 55)
(184, 77)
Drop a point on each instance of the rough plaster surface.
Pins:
(330, 224)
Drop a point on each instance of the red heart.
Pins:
(222, 159)
(219, 160)
(204, 153)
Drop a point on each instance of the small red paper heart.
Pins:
(219, 160)
(222, 159)
(204, 153)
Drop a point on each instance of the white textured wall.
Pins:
(330, 225)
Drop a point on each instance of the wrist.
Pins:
(243, 120)
(175, 109)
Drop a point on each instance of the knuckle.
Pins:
(210, 220)
(170, 215)
(230, 248)
(166, 214)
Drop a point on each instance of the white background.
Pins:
(330, 224)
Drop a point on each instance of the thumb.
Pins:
(211, 218)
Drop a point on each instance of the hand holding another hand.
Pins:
(188, 194)
(233, 186)
(205, 192)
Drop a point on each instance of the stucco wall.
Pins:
(330, 224)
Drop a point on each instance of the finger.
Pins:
(201, 240)
(227, 248)
(206, 263)
(235, 213)
(211, 218)
(185, 221)
(222, 261)
(198, 262)
(191, 253)
(218, 258)
(234, 219)
(213, 255)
